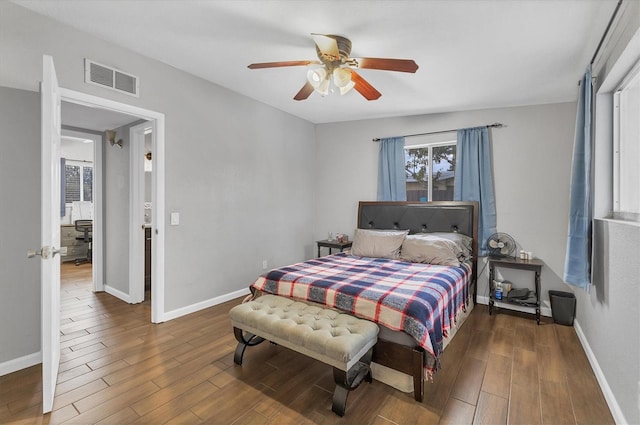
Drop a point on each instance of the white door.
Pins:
(50, 218)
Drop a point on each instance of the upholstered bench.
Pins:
(340, 340)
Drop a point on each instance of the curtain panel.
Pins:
(392, 181)
(577, 265)
(474, 179)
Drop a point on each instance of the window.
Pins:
(78, 181)
(430, 171)
(626, 148)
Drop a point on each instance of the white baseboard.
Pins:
(183, 311)
(118, 294)
(20, 363)
(618, 416)
(545, 310)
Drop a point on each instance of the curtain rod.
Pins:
(606, 31)
(494, 125)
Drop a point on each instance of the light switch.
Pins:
(175, 218)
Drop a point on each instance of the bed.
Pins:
(414, 317)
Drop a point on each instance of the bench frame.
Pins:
(345, 380)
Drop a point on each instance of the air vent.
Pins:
(104, 76)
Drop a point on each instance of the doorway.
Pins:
(155, 120)
(81, 197)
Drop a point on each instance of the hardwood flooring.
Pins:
(118, 368)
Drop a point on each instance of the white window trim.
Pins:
(617, 213)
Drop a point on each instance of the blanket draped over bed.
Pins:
(419, 299)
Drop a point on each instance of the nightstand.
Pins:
(333, 244)
(530, 301)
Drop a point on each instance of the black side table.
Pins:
(333, 244)
(534, 265)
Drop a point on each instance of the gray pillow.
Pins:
(378, 243)
(426, 248)
(463, 243)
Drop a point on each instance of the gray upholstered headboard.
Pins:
(420, 217)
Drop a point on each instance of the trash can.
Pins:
(563, 307)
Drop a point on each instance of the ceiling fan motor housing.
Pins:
(344, 49)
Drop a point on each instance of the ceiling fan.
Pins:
(336, 68)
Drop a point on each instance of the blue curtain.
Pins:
(392, 181)
(63, 186)
(474, 179)
(577, 265)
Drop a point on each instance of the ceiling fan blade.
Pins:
(364, 88)
(281, 64)
(400, 65)
(327, 47)
(304, 92)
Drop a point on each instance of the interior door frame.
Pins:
(97, 269)
(157, 186)
(136, 211)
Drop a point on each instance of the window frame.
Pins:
(82, 164)
(430, 147)
(633, 76)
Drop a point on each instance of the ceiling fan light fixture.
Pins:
(319, 80)
(323, 88)
(316, 76)
(346, 89)
(341, 77)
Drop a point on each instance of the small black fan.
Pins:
(501, 245)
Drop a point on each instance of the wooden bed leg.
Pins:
(418, 375)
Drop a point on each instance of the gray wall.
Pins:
(531, 158)
(116, 211)
(19, 223)
(609, 315)
(240, 173)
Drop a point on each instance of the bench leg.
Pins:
(349, 380)
(244, 341)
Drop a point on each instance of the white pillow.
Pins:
(378, 243)
(426, 248)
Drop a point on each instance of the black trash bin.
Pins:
(563, 307)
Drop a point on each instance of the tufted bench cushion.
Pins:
(324, 334)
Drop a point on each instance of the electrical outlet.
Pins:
(264, 265)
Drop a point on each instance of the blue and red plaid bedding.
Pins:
(419, 299)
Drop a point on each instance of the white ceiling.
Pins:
(81, 116)
(472, 54)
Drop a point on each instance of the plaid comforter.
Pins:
(419, 299)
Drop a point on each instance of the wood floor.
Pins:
(118, 368)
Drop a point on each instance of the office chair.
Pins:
(86, 228)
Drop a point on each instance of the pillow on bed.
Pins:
(378, 243)
(426, 248)
(463, 242)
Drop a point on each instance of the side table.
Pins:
(333, 244)
(534, 265)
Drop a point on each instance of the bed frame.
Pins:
(426, 217)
